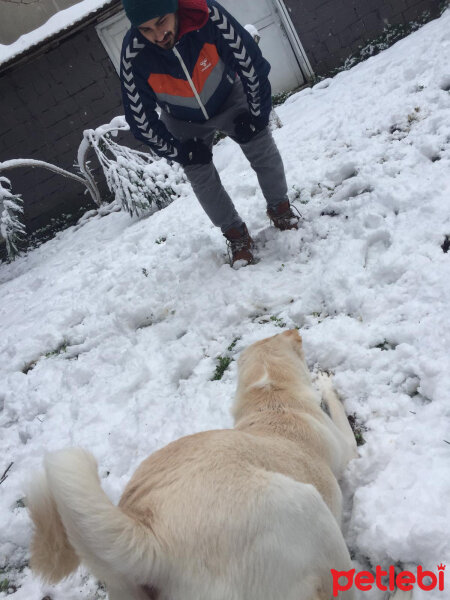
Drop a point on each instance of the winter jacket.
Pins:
(212, 47)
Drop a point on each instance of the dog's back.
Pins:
(242, 514)
(257, 536)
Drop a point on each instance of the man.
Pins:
(207, 74)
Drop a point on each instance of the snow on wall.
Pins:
(57, 23)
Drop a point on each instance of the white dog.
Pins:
(251, 513)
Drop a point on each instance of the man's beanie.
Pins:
(141, 11)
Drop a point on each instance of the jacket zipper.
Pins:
(191, 83)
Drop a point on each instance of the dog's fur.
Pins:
(250, 513)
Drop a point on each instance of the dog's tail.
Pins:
(75, 521)
(52, 555)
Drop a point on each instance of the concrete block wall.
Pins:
(45, 104)
(332, 30)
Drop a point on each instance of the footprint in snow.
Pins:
(377, 242)
(445, 83)
(342, 172)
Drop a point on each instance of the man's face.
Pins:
(161, 31)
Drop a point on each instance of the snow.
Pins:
(111, 332)
(55, 24)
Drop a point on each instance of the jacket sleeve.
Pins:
(239, 50)
(140, 105)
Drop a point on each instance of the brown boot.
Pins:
(240, 244)
(283, 217)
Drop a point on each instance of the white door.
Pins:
(275, 46)
(290, 67)
(111, 32)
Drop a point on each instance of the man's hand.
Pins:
(247, 126)
(194, 152)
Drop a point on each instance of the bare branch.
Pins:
(5, 474)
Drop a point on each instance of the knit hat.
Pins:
(141, 11)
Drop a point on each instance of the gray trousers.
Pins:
(261, 152)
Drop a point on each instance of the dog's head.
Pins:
(272, 371)
(274, 346)
(273, 359)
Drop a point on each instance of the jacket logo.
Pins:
(205, 64)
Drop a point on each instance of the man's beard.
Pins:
(170, 37)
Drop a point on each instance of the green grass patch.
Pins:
(358, 429)
(61, 349)
(385, 346)
(281, 97)
(6, 585)
(278, 321)
(58, 350)
(223, 362)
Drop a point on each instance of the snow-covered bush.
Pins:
(11, 226)
(140, 181)
(11, 204)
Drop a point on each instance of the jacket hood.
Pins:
(192, 15)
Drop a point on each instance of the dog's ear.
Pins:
(294, 335)
(295, 340)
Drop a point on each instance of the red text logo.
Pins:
(388, 580)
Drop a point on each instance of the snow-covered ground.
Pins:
(111, 332)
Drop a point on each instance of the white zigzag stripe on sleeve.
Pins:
(134, 98)
(240, 54)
